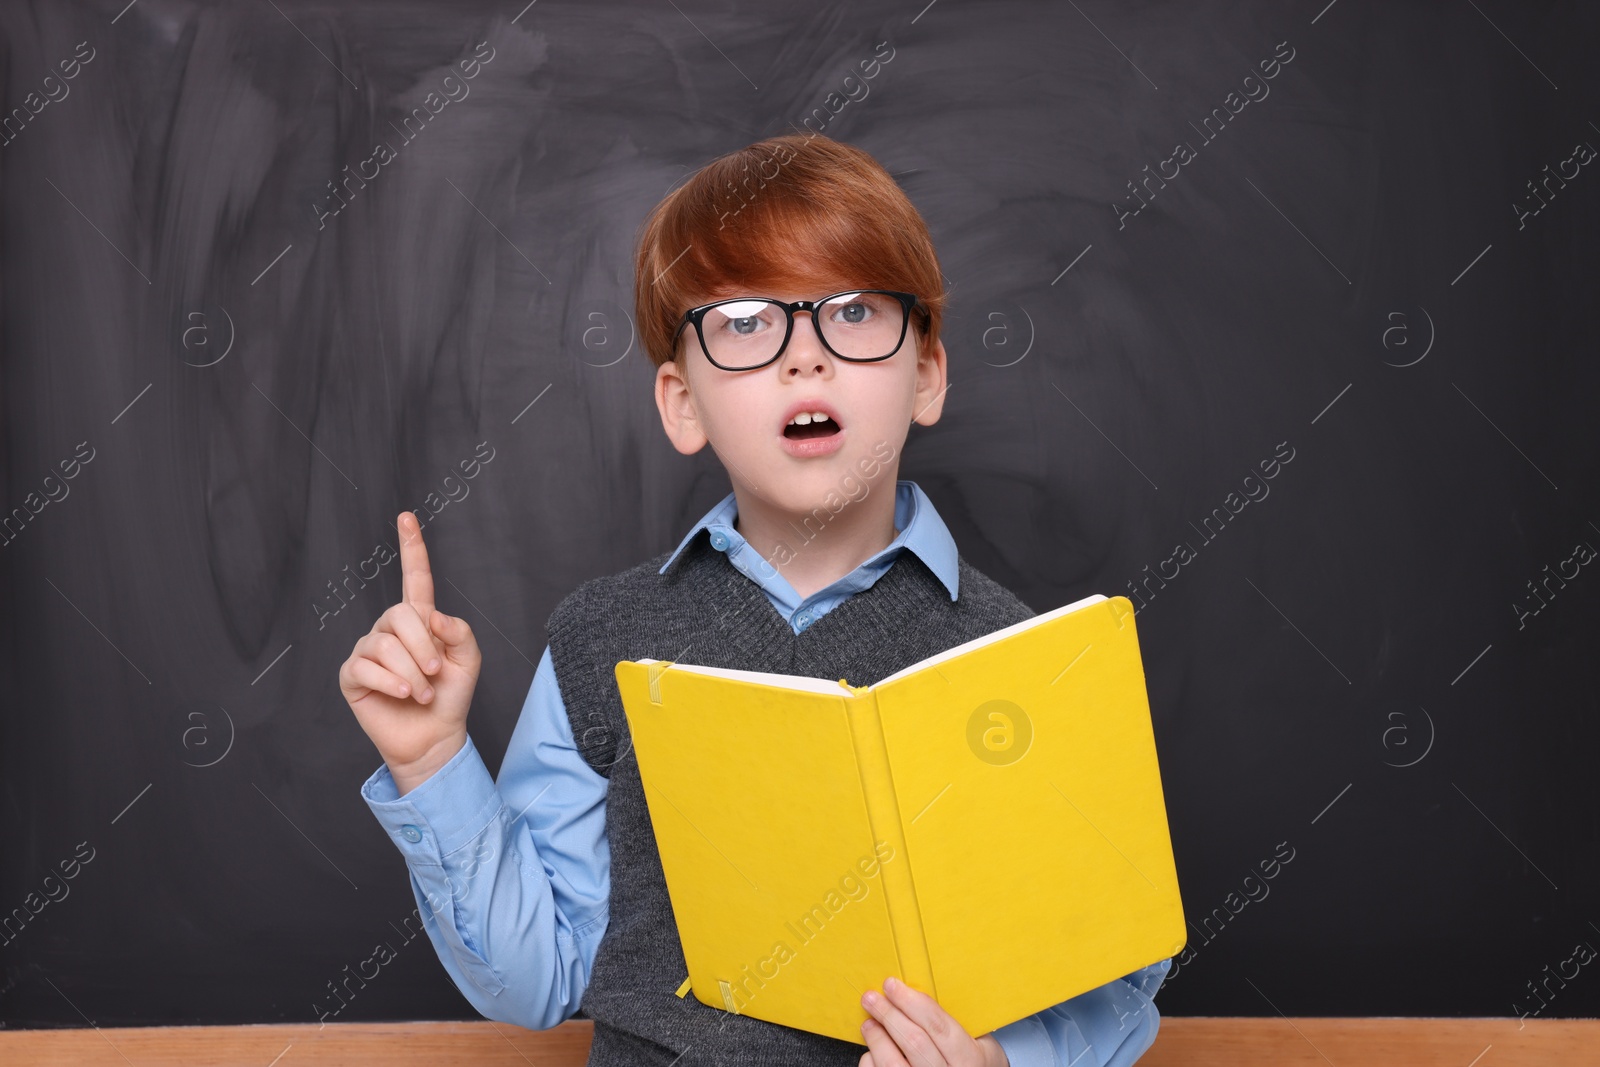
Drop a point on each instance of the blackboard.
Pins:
(1276, 318)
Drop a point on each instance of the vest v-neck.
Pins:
(735, 597)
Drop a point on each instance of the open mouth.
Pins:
(797, 431)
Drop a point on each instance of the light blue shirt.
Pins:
(512, 878)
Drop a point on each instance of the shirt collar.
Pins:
(922, 531)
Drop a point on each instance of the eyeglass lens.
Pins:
(747, 333)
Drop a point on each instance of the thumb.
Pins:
(453, 633)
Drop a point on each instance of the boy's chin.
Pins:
(828, 482)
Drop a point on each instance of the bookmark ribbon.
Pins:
(656, 670)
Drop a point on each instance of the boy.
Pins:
(794, 325)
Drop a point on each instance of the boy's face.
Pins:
(742, 414)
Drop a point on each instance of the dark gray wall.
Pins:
(248, 387)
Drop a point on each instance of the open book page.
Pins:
(986, 639)
(790, 681)
(831, 686)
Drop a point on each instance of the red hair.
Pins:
(799, 212)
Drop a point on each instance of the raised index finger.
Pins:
(416, 577)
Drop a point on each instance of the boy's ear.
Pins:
(677, 410)
(931, 384)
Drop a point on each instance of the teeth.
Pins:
(806, 418)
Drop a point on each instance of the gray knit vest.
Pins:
(703, 611)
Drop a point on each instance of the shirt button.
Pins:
(804, 619)
(719, 541)
(411, 833)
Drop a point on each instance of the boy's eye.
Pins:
(743, 318)
(853, 313)
(856, 309)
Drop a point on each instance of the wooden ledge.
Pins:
(1183, 1042)
(1380, 1042)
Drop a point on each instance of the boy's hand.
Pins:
(410, 680)
(909, 1029)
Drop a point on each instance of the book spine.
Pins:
(883, 815)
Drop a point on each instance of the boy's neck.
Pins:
(814, 557)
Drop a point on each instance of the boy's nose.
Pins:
(804, 340)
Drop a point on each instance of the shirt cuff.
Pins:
(442, 814)
(1147, 980)
(1026, 1043)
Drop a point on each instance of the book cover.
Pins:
(987, 825)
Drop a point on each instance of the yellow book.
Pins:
(986, 825)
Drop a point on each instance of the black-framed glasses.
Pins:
(745, 333)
